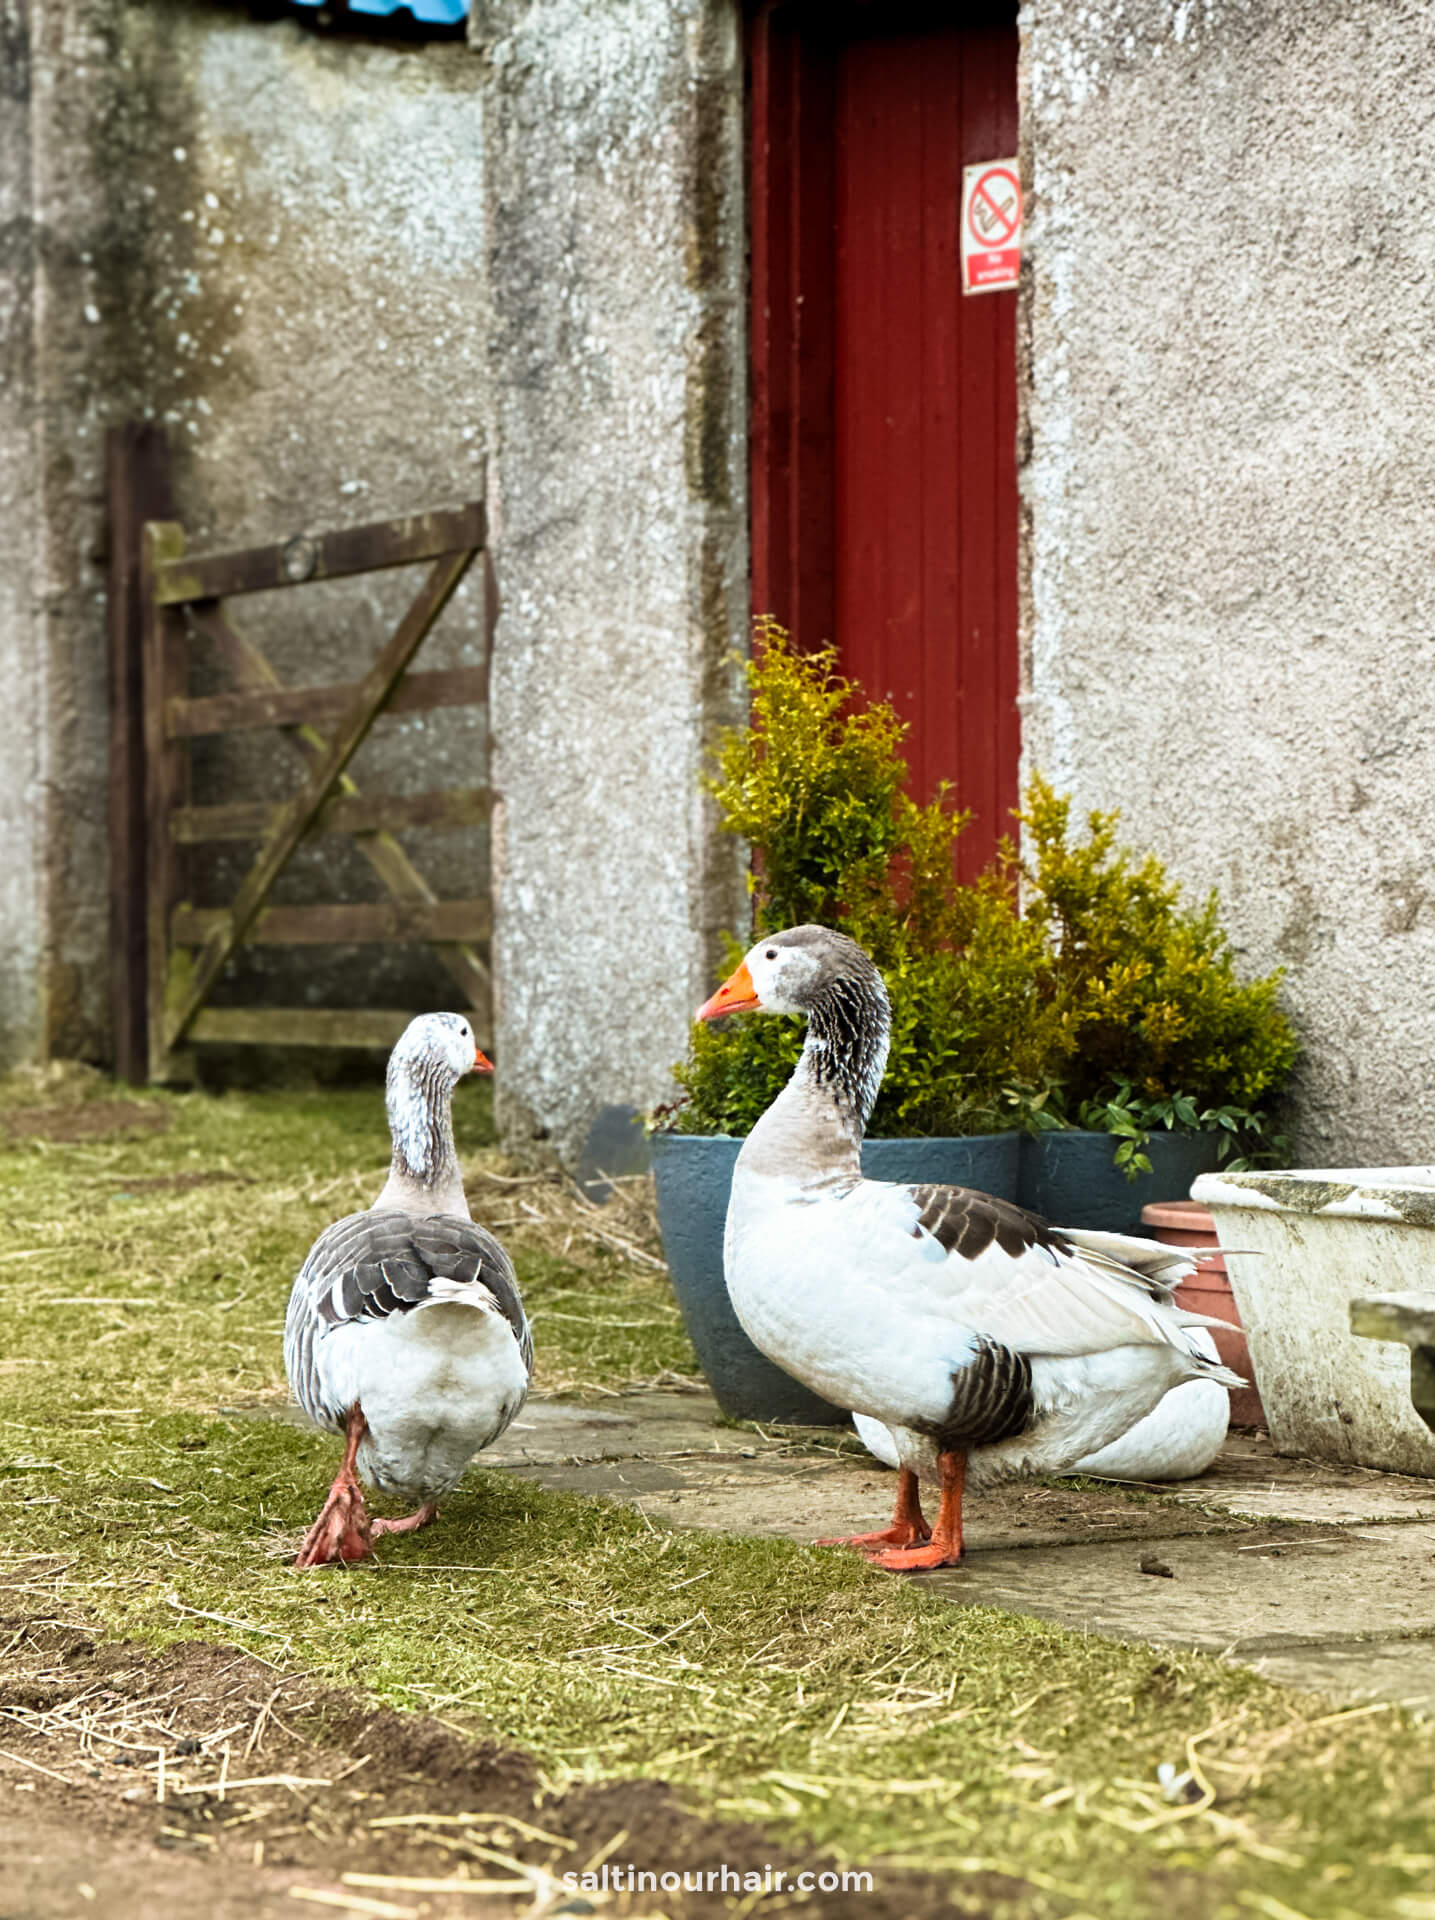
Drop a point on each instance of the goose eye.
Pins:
(771, 954)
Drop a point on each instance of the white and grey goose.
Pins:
(989, 1343)
(405, 1330)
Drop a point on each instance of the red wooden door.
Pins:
(884, 497)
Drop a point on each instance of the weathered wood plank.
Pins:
(313, 706)
(166, 775)
(323, 556)
(328, 925)
(385, 855)
(357, 813)
(298, 814)
(137, 489)
(301, 1026)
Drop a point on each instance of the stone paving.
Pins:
(1319, 1576)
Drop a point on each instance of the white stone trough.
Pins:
(1319, 1240)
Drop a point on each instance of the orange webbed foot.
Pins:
(917, 1559)
(343, 1530)
(410, 1523)
(908, 1533)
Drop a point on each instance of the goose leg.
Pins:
(908, 1528)
(944, 1548)
(343, 1530)
(410, 1523)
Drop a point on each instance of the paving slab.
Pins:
(668, 1455)
(1251, 1479)
(1320, 1576)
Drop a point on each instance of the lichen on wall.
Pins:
(1228, 490)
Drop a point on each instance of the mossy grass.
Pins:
(848, 1708)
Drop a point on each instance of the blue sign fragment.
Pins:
(434, 13)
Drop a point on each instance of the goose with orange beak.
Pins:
(405, 1330)
(987, 1342)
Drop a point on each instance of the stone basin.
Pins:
(1301, 1246)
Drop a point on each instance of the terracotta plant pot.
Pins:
(1185, 1223)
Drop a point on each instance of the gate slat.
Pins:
(325, 556)
(349, 813)
(384, 921)
(376, 687)
(300, 1026)
(300, 706)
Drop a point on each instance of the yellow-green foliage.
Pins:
(1146, 987)
(816, 785)
(1104, 1003)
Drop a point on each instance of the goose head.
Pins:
(791, 972)
(437, 1050)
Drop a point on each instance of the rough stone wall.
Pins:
(616, 269)
(274, 243)
(349, 275)
(22, 761)
(1229, 483)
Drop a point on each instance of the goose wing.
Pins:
(1013, 1279)
(368, 1266)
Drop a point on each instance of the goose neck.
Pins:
(849, 1029)
(423, 1171)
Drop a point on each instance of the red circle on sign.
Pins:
(1007, 223)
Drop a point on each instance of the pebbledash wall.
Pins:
(353, 274)
(1229, 486)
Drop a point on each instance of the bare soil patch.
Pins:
(199, 1779)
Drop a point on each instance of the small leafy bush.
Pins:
(815, 784)
(1068, 986)
(1157, 1028)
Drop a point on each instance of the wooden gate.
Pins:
(168, 955)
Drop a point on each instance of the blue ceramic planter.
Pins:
(1069, 1178)
(694, 1175)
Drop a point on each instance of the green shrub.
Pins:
(1068, 986)
(815, 785)
(1158, 1030)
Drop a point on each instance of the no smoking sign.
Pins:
(991, 226)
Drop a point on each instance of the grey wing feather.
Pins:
(967, 1223)
(369, 1265)
(992, 1399)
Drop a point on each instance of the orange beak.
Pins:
(481, 1063)
(737, 994)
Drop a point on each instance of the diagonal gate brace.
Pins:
(189, 993)
(251, 670)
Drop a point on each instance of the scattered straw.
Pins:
(354, 1903)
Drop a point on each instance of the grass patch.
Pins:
(143, 1280)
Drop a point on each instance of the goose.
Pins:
(405, 1330)
(988, 1342)
(1178, 1439)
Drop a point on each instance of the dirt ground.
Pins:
(141, 1785)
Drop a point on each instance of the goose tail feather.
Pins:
(1165, 1266)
